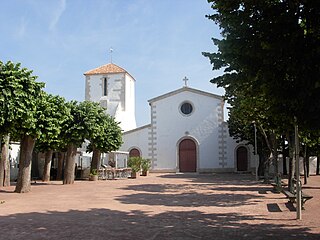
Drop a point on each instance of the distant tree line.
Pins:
(46, 123)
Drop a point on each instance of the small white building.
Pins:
(187, 132)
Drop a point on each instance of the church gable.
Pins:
(185, 89)
(186, 106)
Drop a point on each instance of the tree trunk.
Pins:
(284, 156)
(291, 162)
(308, 163)
(318, 164)
(70, 161)
(267, 169)
(5, 163)
(35, 165)
(47, 166)
(270, 158)
(274, 144)
(61, 156)
(95, 162)
(24, 174)
(261, 164)
(305, 169)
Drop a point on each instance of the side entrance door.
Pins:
(242, 159)
(134, 153)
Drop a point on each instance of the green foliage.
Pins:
(19, 92)
(270, 54)
(52, 115)
(271, 48)
(94, 172)
(135, 163)
(82, 123)
(109, 136)
(145, 164)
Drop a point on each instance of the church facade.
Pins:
(187, 132)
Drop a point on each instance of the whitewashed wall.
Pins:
(171, 126)
(120, 100)
(159, 141)
(137, 138)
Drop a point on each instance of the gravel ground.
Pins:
(159, 206)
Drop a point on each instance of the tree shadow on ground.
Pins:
(216, 178)
(197, 187)
(190, 199)
(111, 224)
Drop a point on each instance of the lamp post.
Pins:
(255, 149)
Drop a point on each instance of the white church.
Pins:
(186, 133)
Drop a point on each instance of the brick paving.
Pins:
(156, 207)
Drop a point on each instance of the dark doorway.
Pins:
(187, 156)
(242, 159)
(134, 153)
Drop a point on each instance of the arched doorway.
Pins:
(187, 156)
(134, 153)
(242, 159)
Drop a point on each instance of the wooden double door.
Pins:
(187, 156)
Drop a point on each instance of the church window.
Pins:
(186, 108)
(105, 87)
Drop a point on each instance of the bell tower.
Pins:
(114, 88)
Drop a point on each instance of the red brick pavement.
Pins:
(159, 206)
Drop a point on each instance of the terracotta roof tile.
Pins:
(105, 69)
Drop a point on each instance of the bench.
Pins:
(292, 197)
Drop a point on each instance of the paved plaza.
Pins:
(156, 207)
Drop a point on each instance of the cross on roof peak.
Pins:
(111, 51)
(185, 81)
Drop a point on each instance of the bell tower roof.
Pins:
(107, 69)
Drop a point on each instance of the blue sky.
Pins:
(158, 42)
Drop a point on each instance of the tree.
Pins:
(107, 140)
(84, 123)
(53, 112)
(271, 48)
(19, 92)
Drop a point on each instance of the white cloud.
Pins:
(21, 30)
(57, 14)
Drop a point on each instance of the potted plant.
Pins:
(93, 175)
(135, 164)
(145, 166)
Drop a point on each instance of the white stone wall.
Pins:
(231, 160)
(137, 138)
(170, 127)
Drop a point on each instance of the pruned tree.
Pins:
(19, 92)
(53, 113)
(107, 140)
(86, 122)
